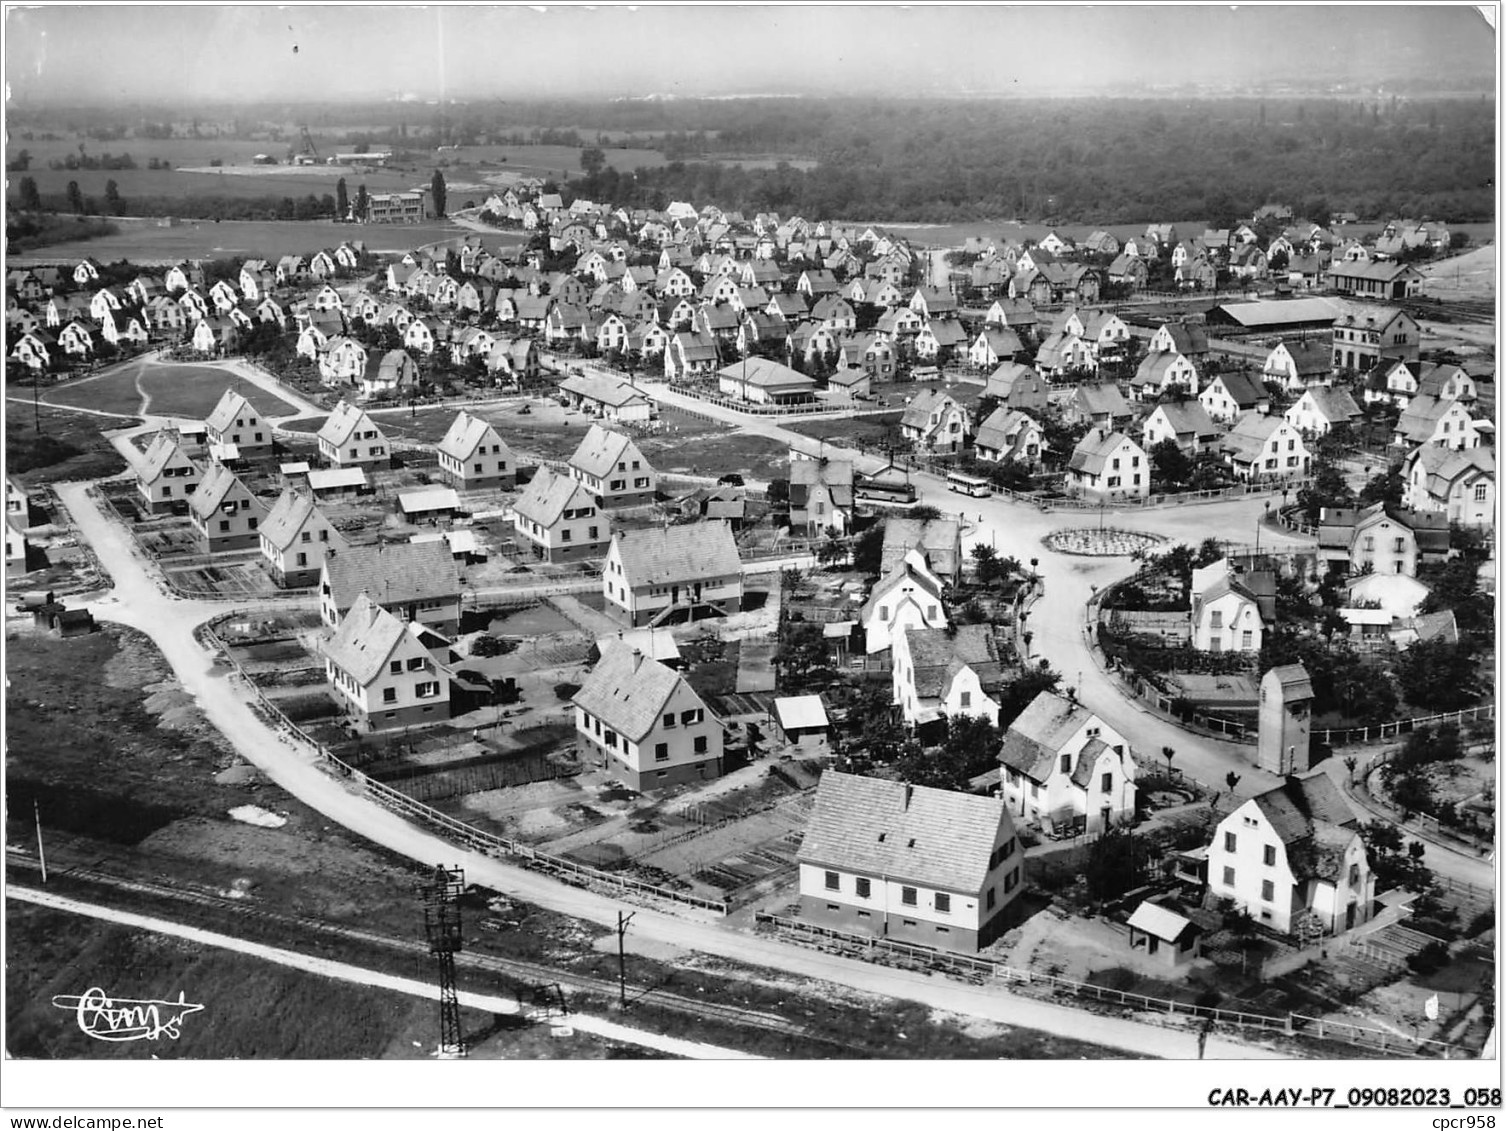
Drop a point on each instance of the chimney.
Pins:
(637, 658)
(909, 793)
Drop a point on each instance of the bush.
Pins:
(1431, 958)
(486, 646)
(565, 691)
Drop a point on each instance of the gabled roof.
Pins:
(288, 516)
(1247, 439)
(1421, 417)
(1094, 450)
(393, 573)
(344, 420)
(760, 372)
(922, 405)
(836, 475)
(547, 496)
(910, 567)
(602, 389)
(1156, 920)
(164, 446)
(937, 655)
(217, 485)
(1035, 740)
(601, 449)
(1187, 418)
(1244, 390)
(1443, 466)
(465, 433)
(664, 555)
(230, 406)
(995, 432)
(1313, 820)
(1336, 405)
(937, 539)
(366, 638)
(628, 691)
(933, 837)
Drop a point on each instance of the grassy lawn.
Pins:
(115, 391)
(194, 390)
(69, 445)
(268, 239)
(843, 430)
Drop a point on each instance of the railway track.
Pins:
(519, 975)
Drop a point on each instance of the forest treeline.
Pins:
(1120, 161)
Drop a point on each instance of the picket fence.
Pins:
(458, 831)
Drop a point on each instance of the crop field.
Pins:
(189, 391)
(269, 239)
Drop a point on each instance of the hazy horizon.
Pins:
(75, 55)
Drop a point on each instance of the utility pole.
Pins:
(622, 926)
(36, 807)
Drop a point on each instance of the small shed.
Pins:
(1163, 934)
(655, 643)
(224, 453)
(337, 482)
(838, 636)
(430, 504)
(802, 720)
(294, 471)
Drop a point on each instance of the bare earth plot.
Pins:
(1471, 275)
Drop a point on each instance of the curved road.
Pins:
(138, 602)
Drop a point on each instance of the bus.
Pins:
(964, 484)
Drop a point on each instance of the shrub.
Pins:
(487, 645)
(1432, 957)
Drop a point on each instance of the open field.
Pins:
(869, 429)
(1467, 276)
(69, 445)
(680, 444)
(189, 391)
(206, 239)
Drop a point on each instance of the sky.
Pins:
(79, 53)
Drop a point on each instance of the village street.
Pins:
(137, 601)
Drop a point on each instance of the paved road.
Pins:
(362, 976)
(136, 601)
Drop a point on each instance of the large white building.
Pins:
(909, 863)
(1294, 853)
(651, 573)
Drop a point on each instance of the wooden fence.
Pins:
(458, 831)
(1292, 1024)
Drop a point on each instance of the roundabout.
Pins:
(1095, 543)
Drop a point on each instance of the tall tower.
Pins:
(441, 895)
(1286, 700)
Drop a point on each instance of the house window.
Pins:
(700, 744)
(1230, 842)
(417, 663)
(907, 896)
(396, 667)
(389, 695)
(1269, 855)
(427, 690)
(1479, 492)
(306, 536)
(1228, 877)
(611, 739)
(1106, 784)
(833, 882)
(967, 699)
(669, 719)
(1354, 875)
(943, 902)
(224, 526)
(1066, 763)
(864, 887)
(990, 899)
(1216, 619)
(1012, 880)
(1267, 891)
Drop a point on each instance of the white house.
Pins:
(235, 421)
(654, 572)
(295, 540)
(609, 465)
(935, 421)
(224, 513)
(380, 672)
(1461, 484)
(761, 381)
(350, 438)
(559, 520)
(1265, 447)
(929, 866)
(908, 596)
(1293, 859)
(1225, 614)
(167, 474)
(939, 675)
(1320, 409)
(1185, 423)
(1108, 465)
(1159, 372)
(645, 722)
(1009, 434)
(1060, 762)
(414, 581)
(473, 457)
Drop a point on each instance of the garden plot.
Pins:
(227, 580)
(1092, 542)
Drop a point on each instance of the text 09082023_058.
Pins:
(1364, 1097)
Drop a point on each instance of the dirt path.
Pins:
(360, 975)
